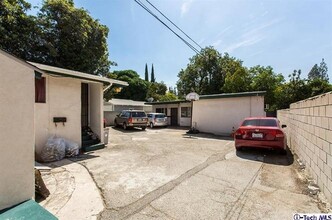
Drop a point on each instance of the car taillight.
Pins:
(130, 120)
(272, 134)
(279, 134)
(239, 133)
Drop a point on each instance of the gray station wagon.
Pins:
(131, 118)
(157, 119)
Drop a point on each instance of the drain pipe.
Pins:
(108, 87)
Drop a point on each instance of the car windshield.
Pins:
(138, 114)
(160, 116)
(260, 122)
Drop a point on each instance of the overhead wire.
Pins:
(155, 16)
(173, 23)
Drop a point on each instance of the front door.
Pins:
(85, 104)
(174, 116)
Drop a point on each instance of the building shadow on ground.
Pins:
(207, 136)
(129, 129)
(268, 156)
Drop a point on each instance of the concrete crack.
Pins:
(162, 212)
(140, 204)
(241, 200)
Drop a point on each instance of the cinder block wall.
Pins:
(309, 132)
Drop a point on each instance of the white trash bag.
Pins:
(72, 148)
(54, 150)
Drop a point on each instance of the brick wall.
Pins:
(309, 133)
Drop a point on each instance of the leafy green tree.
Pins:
(72, 38)
(136, 90)
(206, 72)
(61, 35)
(169, 96)
(293, 91)
(319, 72)
(146, 73)
(323, 70)
(314, 72)
(172, 90)
(156, 90)
(200, 71)
(238, 81)
(319, 86)
(299, 89)
(265, 79)
(153, 78)
(18, 31)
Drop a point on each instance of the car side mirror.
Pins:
(117, 115)
(283, 126)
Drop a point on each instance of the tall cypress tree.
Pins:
(153, 79)
(146, 73)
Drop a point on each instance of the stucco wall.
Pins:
(96, 109)
(219, 116)
(181, 120)
(184, 121)
(17, 97)
(110, 116)
(63, 99)
(309, 132)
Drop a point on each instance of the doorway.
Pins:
(84, 105)
(174, 116)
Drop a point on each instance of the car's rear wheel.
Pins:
(239, 148)
(143, 128)
(124, 126)
(151, 125)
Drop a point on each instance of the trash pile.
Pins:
(57, 148)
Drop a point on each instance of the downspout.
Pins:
(108, 87)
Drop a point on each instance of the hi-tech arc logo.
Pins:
(312, 216)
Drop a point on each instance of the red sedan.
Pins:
(261, 132)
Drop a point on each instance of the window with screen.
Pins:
(185, 112)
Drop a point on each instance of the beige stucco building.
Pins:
(33, 96)
(178, 112)
(16, 130)
(217, 114)
(73, 95)
(220, 114)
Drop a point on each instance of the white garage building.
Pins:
(221, 113)
(218, 114)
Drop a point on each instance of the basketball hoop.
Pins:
(193, 96)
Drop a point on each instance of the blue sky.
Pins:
(287, 35)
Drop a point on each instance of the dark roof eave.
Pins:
(233, 95)
(77, 77)
(167, 102)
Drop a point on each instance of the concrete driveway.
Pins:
(166, 174)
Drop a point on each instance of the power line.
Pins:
(173, 23)
(154, 15)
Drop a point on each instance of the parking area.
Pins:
(167, 174)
